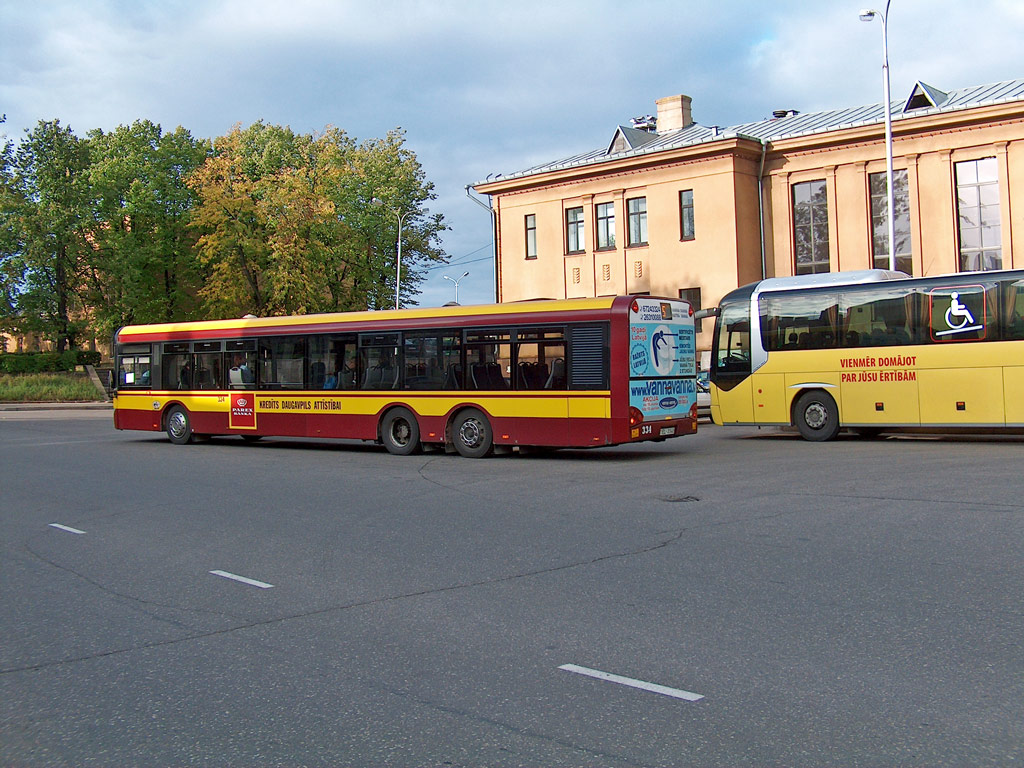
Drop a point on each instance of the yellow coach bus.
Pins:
(871, 350)
(576, 373)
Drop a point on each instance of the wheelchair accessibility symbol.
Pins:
(958, 317)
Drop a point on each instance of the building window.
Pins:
(880, 221)
(531, 235)
(686, 231)
(692, 297)
(977, 203)
(605, 215)
(636, 210)
(810, 227)
(574, 230)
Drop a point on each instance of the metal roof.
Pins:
(793, 125)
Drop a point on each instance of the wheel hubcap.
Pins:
(178, 424)
(816, 416)
(469, 433)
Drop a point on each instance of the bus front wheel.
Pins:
(179, 426)
(399, 432)
(816, 416)
(472, 435)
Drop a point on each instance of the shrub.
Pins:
(46, 362)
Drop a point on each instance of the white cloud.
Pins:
(824, 57)
(481, 86)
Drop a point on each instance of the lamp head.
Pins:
(867, 14)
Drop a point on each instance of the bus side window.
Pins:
(177, 372)
(242, 373)
(1013, 314)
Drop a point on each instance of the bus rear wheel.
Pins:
(179, 426)
(817, 416)
(472, 434)
(399, 432)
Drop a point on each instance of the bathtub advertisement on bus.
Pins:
(662, 359)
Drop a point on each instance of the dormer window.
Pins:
(925, 96)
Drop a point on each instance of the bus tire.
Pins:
(179, 425)
(817, 416)
(399, 432)
(472, 434)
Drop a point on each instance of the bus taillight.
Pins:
(635, 416)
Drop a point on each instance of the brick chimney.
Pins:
(674, 113)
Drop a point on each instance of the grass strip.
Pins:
(47, 388)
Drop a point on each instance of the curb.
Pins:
(56, 407)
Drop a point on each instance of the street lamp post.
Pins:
(464, 274)
(868, 15)
(398, 246)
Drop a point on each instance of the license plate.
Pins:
(667, 431)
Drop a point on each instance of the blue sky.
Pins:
(480, 87)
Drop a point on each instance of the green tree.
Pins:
(143, 268)
(287, 225)
(44, 212)
(385, 171)
(234, 244)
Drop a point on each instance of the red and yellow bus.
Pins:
(872, 350)
(574, 373)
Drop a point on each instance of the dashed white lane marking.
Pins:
(236, 577)
(652, 687)
(67, 528)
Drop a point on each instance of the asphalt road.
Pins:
(854, 603)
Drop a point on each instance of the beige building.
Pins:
(673, 208)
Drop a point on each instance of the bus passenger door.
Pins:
(543, 412)
(731, 399)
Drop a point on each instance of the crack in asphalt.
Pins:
(676, 535)
(870, 497)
